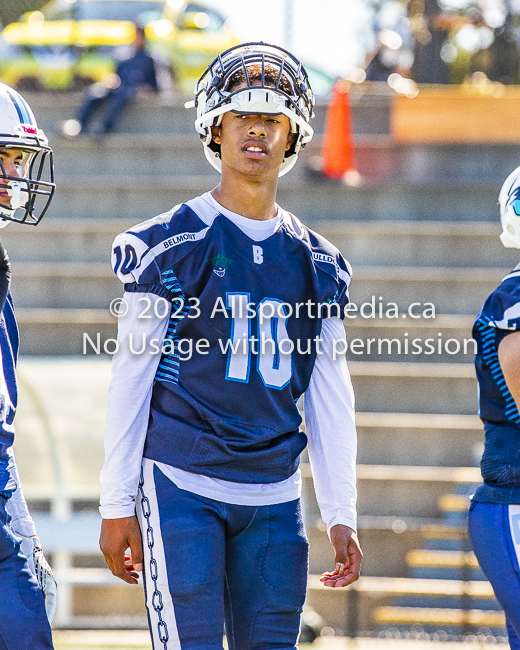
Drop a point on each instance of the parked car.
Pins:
(72, 43)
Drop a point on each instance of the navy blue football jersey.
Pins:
(229, 410)
(8, 389)
(498, 317)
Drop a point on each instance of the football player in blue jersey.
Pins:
(234, 311)
(494, 516)
(28, 588)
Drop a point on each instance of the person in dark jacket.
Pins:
(132, 74)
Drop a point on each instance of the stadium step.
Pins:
(413, 294)
(408, 387)
(64, 240)
(108, 196)
(414, 243)
(463, 598)
(164, 116)
(454, 503)
(418, 439)
(64, 284)
(405, 339)
(449, 565)
(455, 508)
(369, 600)
(439, 617)
(400, 491)
(455, 291)
(451, 559)
(372, 244)
(378, 157)
(406, 586)
(63, 331)
(445, 538)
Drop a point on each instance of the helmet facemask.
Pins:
(287, 92)
(32, 190)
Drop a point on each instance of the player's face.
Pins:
(253, 144)
(13, 164)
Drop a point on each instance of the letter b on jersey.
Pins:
(258, 255)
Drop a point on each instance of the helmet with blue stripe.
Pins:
(286, 92)
(509, 200)
(25, 197)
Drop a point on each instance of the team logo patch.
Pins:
(220, 263)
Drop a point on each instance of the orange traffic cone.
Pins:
(338, 144)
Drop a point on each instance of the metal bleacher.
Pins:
(422, 228)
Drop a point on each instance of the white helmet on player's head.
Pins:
(509, 200)
(24, 197)
(279, 84)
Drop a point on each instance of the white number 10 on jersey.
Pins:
(274, 359)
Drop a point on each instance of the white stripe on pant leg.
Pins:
(514, 526)
(162, 622)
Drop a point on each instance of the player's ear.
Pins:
(216, 134)
(290, 139)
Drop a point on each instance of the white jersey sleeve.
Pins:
(21, 520)
(331, 430)
(129, 398)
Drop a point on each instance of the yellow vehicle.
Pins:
(71, 43)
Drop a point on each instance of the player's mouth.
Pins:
(255, 149)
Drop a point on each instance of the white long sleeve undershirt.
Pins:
(329, 416)
(21, 520)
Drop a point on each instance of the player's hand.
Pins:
(117, 535)
(348, 557)
(41, 570)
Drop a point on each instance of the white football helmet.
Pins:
(509, 200)
(213, 97)
(25, 197)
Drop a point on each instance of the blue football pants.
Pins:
(206, 562)
(496, 547)
(23, 621)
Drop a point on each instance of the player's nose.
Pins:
(257, 127)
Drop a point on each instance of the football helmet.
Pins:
(509, 200)
(213, 97)
(25, 197)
